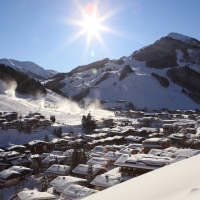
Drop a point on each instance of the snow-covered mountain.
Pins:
(164, 75)
(183, 38)
(29, 68)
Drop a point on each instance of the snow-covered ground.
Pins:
(139, 87)
(67, 113)
(178, 181)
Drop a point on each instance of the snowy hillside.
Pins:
(29, 68)
(67, 113)
(140, 87)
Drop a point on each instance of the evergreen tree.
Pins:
(2, 195)
(44, 183)
(55, 132)
(53, 118)
(46, 139)
(90, 174)
(59, 132)
(77, 157)
(88, 123)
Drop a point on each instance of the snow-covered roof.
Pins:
(77, 192)
(68, 153)
(112, 155)
(58, 169)
(52, 158)
(56, 152)
(19, 169)
(134, 138)
(36, 142)
(97, 161)
(173, 152)
(56, 140)
(99, 149)
(9, 154)
(135, 146)
(106, 180)
(143, 161)
(34, 194)
(62, 182)
(82, 169)
(15, 146)
(178, 181)
(7, 172)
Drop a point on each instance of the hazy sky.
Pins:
(63, 34)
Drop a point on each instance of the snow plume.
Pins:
(91, 103)
(68, 106)
(8, 87)
(42, 102)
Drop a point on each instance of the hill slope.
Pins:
(29, 68)
(149, 83)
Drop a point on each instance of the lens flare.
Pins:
(94, 70)
(92, 53)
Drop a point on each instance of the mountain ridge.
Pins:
(149, 83)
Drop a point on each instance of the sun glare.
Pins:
(91, 26)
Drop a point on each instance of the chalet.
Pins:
(60, 183)
(76, 192)
(145, 131)
(54, 159)
(139, 164)
(112, 156)
(10, 116)
(18, 148)
(177, 126)
(56, 170)
(81, 170)
(128, 151)
(190, 112)
(163, 115)
(59, 144)
(136, 147)
(155, 143)
(10, 155)
(68, 153)
(176, 154)
(23, 171)
(9, 178)
(134, 139)
(168, 128)
(105, 181)
(38, 146)
(2, 120)
(22, 161)
(45, 122)
(4, 164)
(98, 161)
(115, 147)
(35, 194)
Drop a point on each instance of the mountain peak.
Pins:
(183, 38)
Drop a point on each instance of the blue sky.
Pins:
(42, 31)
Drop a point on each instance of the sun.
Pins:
(91, 26)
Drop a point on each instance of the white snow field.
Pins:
(178, 181)
(67, 113)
